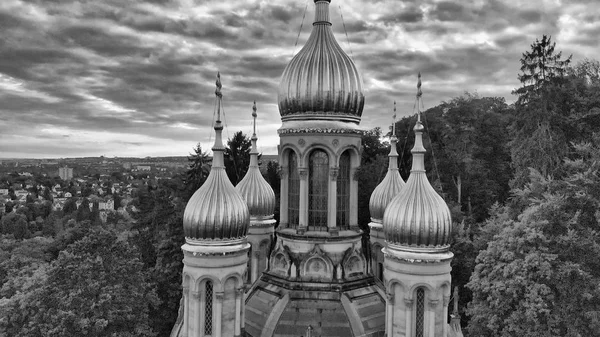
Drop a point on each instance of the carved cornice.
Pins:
(321, 130)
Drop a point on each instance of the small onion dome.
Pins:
(258, 194)
(389, 187)
(321, 82)
(418, 218)
(216, 212)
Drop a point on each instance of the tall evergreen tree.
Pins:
(237, 157)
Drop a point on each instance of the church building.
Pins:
(313, 273)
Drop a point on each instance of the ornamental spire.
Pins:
(393, 156)
(418, 150)
(218, 148)
(254, 150)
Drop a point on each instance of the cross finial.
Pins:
(394, 121)
(219, 95)
(419, 94)
(254, 117)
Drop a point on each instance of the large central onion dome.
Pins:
(389, 187)
(254, 188)
(417, 219)
(321, 82)
(216, 213)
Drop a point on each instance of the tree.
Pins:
(197, 172)
(237, 157)
(540, 275)
(15, 224)
(96, 287)
(539, 132)
(540, 67)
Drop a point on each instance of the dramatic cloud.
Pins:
(136, 78)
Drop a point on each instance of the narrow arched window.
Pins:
(293, 191)
(318, 173)
(420, 313)
(208, 304)
(343, 192)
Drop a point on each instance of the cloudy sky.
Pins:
(136, 78)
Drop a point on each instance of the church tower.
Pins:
(260, 198)
(215, 253)
(389, 187)
(417, 225)
(317, 279)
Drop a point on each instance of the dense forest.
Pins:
(521, 181)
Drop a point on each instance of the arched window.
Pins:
(318, 173)
(208, 304)
(343, 192)
(293, 191)
(248, 273)
(420, 313)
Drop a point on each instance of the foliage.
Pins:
(237, 157)
(540, 276)
(197, 172)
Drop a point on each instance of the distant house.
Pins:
(3, 191)
(143, 168)
(65, 173)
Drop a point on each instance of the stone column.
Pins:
(445, 319)
(254, 263)
(239, 297)
(283, 197)
(218, 313)
(198, 313)
(332, 201)
(431, 323)
(353, 200)
(409, 307)
(303, 172)
(186, 311)
(389, 317)
(243, 309)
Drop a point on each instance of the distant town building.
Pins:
(143, 168)
(65, 173)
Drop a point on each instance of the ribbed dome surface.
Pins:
(321, 81)
(389, 187)
(255, 190)
(216, 212)
(418, 217)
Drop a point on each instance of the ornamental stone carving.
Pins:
(390, 298)
(408, 302)
(219, 296)
(303, 173)
(433, 303)
(333, 172)
(197, 295)
(335, 142)
(301, 142)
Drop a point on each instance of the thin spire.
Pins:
(394, 121)
(254, 150)
(393, 156)
(419, 94)
(218, 148)
(418, 150)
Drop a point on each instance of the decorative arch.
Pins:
(304, 158)
(317, 265)
(263, 249)
(218, 287)
(280, 262)
(353, 263)
(429, 289)
(354, 154)
(392, 284)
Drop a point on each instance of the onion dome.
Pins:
(216, 213)
(391, 185)
(321, 82)
(418, 219)
(258, 194)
